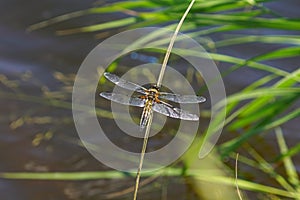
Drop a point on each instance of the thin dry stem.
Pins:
(236, 177)
(164, 65)
(138, 174)
(159, 81)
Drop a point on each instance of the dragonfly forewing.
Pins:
(124, 84)
(174, 112)
(123, 99)
(181, 98)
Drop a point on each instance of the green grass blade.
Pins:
(211, 6)
(242, 62)
(268, 39)
(281, 53)
(288, 163)
(262, 92)
(290, 153)
(108, 25)
(123, 6)
(292, 115)
(247, 22)
(251, 186)
(248, 185)
(57, 19)
(63, 175)
(231, 59)
(197, 174)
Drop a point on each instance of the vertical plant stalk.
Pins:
(159, 81)
(236, 177)
(146, 137)
(172, 41)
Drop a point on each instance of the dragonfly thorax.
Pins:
(152, 93)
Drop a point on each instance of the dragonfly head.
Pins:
(155, 87)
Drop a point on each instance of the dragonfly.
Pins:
(150, 99)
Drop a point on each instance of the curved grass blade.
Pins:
(98, 27)
(197, 174)
(268, 39)
(290, 168)
(290, 153)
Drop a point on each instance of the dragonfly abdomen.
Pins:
(146, 113)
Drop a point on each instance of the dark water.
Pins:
(41, 55)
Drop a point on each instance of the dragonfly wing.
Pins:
(174, 112)
(123, 83)
(123, 99)
(182, 98)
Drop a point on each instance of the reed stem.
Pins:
(159, 81)
(146, 137)
(172, 41)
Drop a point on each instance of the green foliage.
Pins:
(229, 15)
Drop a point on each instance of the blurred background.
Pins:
(250, 41)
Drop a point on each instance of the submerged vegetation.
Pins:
(260, 110)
